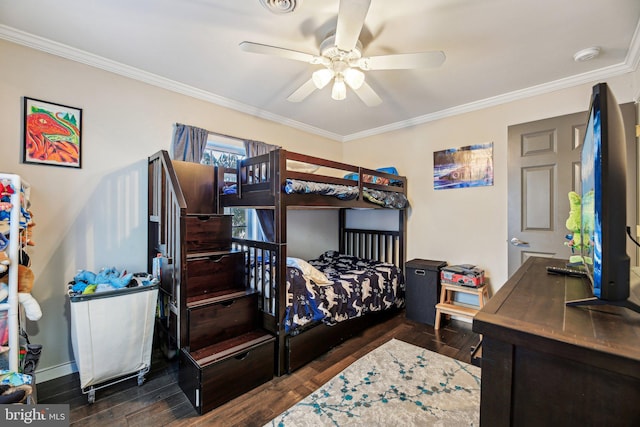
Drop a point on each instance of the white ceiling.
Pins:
(496, 50)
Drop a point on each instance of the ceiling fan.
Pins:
(342, 60)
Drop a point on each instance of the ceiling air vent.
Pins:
(280, 6)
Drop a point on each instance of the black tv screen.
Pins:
(603, 179)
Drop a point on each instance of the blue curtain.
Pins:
(189, 143)
(258, 148)
(266, 219)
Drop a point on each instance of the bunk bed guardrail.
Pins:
(268, 173)
(260, 257)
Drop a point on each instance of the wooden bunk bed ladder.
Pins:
(211, 318)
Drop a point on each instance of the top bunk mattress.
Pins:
(387, 199)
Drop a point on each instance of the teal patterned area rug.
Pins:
(397, 384)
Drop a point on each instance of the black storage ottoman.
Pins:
(423, 289)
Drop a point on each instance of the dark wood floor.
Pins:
(160, 402)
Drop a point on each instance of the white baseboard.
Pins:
(462, 319)
(54, 372)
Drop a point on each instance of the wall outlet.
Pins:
(637, 230)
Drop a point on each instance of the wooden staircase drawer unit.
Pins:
(214, 272)
(219, 321)
(207, 233)
(217, 374)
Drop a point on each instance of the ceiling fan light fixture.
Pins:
(340, 60)
(339, 89)
(280, 6)
(354, 78)
(322, 77)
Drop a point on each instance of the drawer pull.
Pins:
(420, 272)
(212, 258)
(242, 356)
(227, 303)
(204, 217)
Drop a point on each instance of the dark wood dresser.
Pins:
(547, 364)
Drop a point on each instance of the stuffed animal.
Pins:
(574, 226)
(4, 262)
(25, 275)
(4, 242)
(86, 282)
(14, 394)
(26, 236)
(25, 285)
(4, 294)
(6, 190)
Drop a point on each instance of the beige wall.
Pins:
(95, 217)
(467, 225)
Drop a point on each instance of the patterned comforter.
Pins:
(388, 199)
(358, 286)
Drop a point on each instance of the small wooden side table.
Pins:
(448, 306)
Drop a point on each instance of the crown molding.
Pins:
(45, 45)
(603, 73)
(77, 55)
(629, 65)
(633, 54)
(633, 57)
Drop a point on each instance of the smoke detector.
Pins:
(586, 54)
(280, 6)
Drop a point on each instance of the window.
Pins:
(225, 152)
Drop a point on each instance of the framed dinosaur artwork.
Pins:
(52, 134)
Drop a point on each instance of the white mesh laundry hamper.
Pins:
(112, 336)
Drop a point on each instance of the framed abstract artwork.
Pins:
(470, 166)
(52, 134)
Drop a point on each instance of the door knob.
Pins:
(517, 242)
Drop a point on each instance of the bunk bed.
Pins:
(307, 323)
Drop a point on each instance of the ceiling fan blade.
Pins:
(280, 51)
(368, 95)
(350, 21)
(302, 92)
(403, 61)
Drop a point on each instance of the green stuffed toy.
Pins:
(573, 225)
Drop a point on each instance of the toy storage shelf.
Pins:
(11, 306)
(448, 305)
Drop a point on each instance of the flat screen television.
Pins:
(603, 165)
